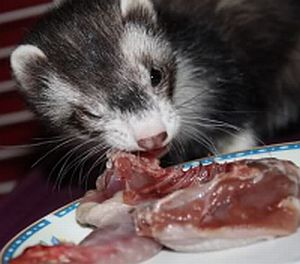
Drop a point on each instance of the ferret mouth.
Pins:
(153, 154)
(150, 154)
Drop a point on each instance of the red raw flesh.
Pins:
(143, 179)
(247, 194)
(64, 254)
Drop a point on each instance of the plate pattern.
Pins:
(22, 238)
(18, 241)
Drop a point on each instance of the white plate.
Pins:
(61, 226)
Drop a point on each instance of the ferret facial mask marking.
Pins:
(140, 75)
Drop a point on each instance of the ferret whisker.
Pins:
(237, 111)
(82, 156)
(188, 103)
(82, 159)
(64, 159)
(94, 152)
(200, 135)
(181, 147)
(232, 131)
(80, 162)
(65, 166)
(100, 160)
(259, 140)
(175, 149)
(209, 123)
(209, 109)
(94, 165)
(95, 141)
(63, 144)
(33, 145)
(201, 138)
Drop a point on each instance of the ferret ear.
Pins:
(128, 6)
(27, 63)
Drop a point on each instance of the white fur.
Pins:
(23, 56)
(128, 5)
(190, 83)
(124, 131)
(136, 42)
(148, 126)
(63, 95)
(155, 122)
(119, 134)
(170, 119)
(243, 140)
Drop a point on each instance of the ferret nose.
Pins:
(154, 142)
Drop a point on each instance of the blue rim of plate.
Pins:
(11, 247)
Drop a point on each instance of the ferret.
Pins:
(181, 77)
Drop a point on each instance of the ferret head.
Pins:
(102, 70)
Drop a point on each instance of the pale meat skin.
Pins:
(111, 245)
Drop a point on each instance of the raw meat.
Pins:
(138, 203)
(143, 179)
(204, 208)
(251, 201)
(111, 245)
(127, 250)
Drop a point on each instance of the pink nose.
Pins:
(154, 142)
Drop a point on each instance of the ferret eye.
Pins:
(155, 76)
(89, 114)
(93, 116)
